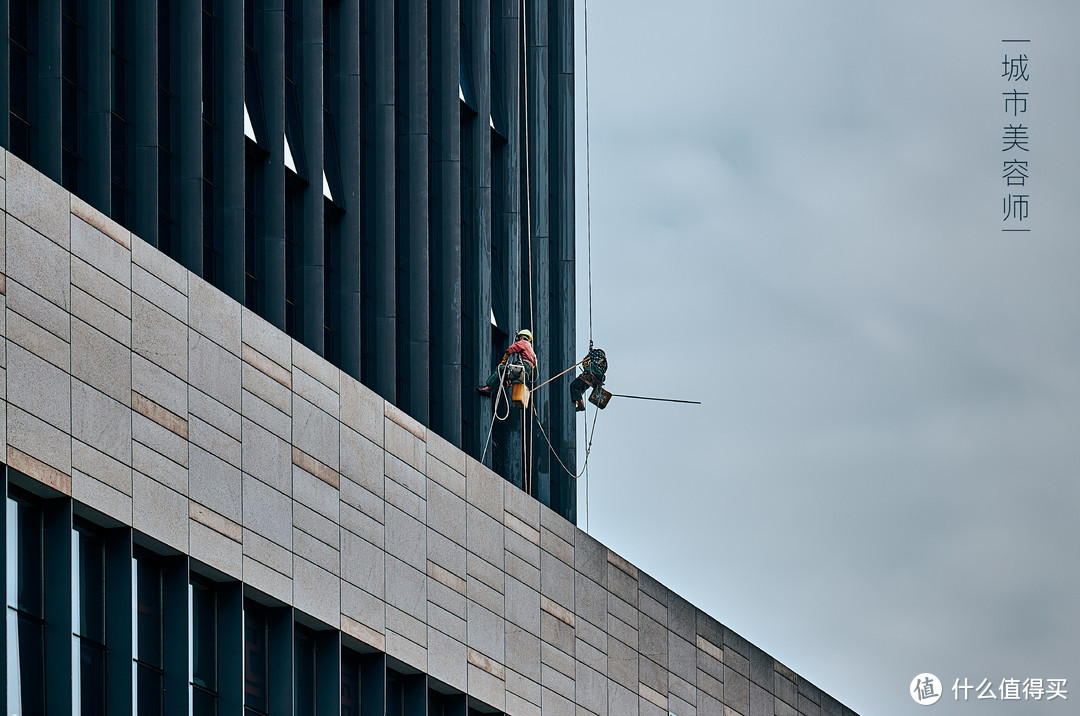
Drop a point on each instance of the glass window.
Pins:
(203, 655)
(88, 620)
(256, 659)
(25, 622)
(304, 687)
(147, 626)
(350, 683)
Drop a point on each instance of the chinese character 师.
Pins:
(1016, 207)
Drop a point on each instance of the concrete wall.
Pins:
(144, 393)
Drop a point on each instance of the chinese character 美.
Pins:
(1015, 68)
(925, 689)
(1010, 689)
(1015, 172)
(1033, 689)
(1016, 207)
(1055, 689)
(986, 690)
(965, 687)
(1015, 136)
(1018, 101)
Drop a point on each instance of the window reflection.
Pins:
(88, 621)
(256, 659)
(146, 642)
(25, 614)
(203, 655)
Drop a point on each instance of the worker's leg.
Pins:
(489, 387)
(577, 389)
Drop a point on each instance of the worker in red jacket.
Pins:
(520, 351)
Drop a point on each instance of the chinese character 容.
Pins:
(1015, 172)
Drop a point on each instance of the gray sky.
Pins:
(796, 218)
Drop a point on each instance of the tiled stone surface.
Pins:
(148, 396)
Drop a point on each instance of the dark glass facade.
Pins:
(388, 181)
(102, 620)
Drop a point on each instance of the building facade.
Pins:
(205, 516)
(390, 182)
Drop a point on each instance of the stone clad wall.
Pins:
(146, 394)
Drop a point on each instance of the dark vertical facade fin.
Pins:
(118, 631)
(145, 102)
(270, 35)
(328, 678)
(418, 337)
(46, 104)
(280, 624)
(509, 237)
(382, 205)
(564, 497)
(348, 261)
(175, 638)
(373, 683)
(57, 592)
(189, 128)
(230, 636)
(311, 238)
(537, 57)
(477, 191)
(5, 74)
(99, 91)
(232, 147)
(446, 220)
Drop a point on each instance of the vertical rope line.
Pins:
(588, 170)
(587, 443)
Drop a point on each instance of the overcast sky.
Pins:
(796, 212)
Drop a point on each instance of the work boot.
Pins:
(486, 391)
(579, 406)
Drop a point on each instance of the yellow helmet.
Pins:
(526, 334)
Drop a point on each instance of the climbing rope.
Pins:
(555, 376)
(588, 448)
(588, 170)
(499, 396)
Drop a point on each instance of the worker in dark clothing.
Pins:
(593, 370)
(521, 353)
